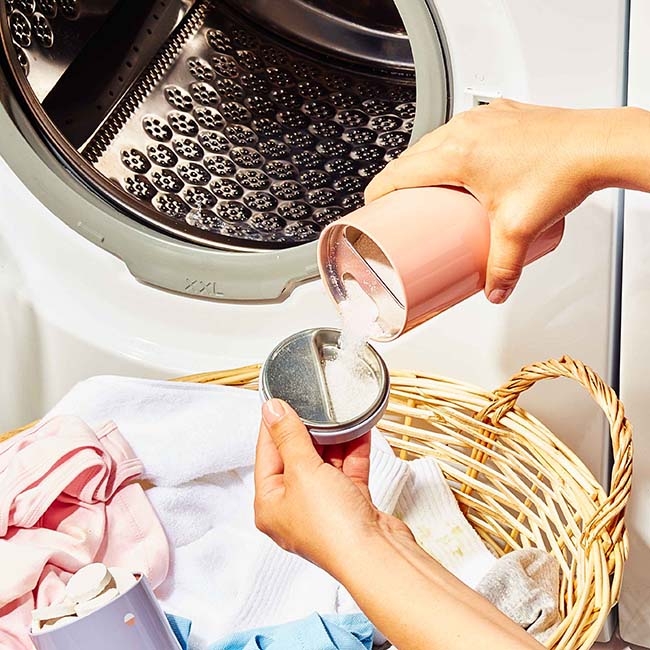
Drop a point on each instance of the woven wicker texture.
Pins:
(518, 485)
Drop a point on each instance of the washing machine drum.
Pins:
(207, 143)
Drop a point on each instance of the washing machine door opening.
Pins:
(229, 133)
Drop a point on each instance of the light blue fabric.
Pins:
(181, 628)
(315, 632)
(349, 632)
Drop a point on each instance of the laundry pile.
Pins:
(68, 498)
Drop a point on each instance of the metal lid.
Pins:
(295, 371)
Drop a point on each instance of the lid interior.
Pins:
(295, 372)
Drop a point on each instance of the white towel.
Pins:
(180, 431)
(197, 445)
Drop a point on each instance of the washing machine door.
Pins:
(208, 143)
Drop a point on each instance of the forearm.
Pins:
(621, 149)
(418, 605)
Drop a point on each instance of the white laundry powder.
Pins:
(351, 384)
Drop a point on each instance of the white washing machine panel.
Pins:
(70, 309)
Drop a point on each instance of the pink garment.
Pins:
(67, 499)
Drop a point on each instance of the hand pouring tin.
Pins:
(415, 252)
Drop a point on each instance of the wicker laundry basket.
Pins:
(518, 485)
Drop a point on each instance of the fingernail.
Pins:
(497, 296)
(273, 410)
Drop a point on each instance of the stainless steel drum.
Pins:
(220, 136)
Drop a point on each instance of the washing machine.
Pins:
(168, 165)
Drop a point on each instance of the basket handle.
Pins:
(620, 429)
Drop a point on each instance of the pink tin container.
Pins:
(415, 252)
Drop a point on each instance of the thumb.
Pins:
(505, 262)
(288, 433)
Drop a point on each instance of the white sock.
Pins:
(524, 585)
(387, 474)
(427, 505)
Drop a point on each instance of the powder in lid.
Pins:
(351, 384)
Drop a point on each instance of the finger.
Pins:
(334, 455)
(268, 463)
(289, 434)
(428, 141)
(506, 259)
(419, 170)
(356, 464)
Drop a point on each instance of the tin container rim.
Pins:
(366, 419)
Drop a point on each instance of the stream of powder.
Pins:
(352, 385)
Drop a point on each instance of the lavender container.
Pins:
(295, 371)
(132, 621)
